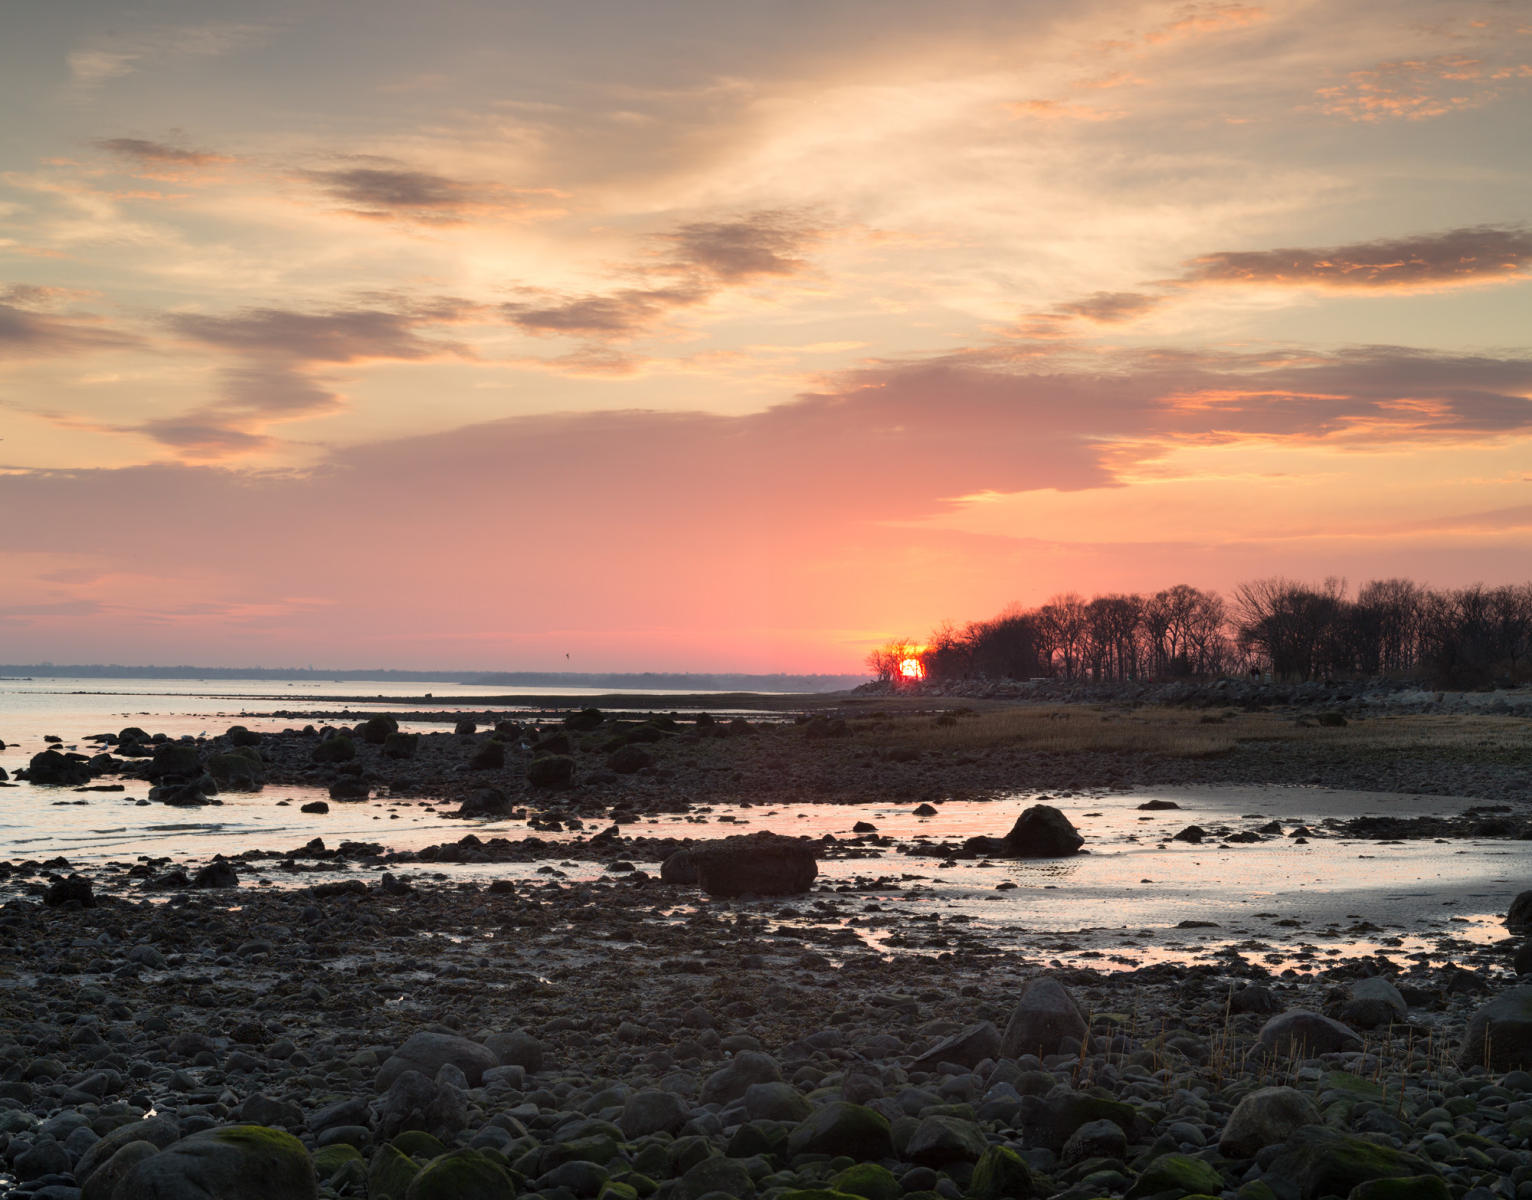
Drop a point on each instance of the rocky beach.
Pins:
(625, 976)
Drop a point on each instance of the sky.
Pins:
(703, 335)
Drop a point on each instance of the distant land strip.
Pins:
(666, 681)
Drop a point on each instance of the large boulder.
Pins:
(485, 802)
(57, 770)
(735, 1078)
(375, 730)
(1499, 1035)
(219, 873)
(179, 760)
(839, 1128)
(464, 1174)
(1042, 831)
(1318, 1161)
(679, 868)
(966, 1048)
(1374, 1003)
(759, 864)
(426, 1052)
(401, 745)
(1264, 1118)
(235, 1162)
(1299, 1033)
(237, 771)
(75, 890)
(1045, 1015)
(553, 771)
(1518, 917)
(337, 749)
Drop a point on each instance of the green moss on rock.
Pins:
(462, 1175)
(868, 1180)
(390, 1172)
(999, 1173)
(1177, 1174)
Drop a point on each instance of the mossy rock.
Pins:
(336, 749)
(174, 758)
(389, 1173)
(330, 1159)
(234, 1162)
(614, 1189)
(236, 771)
(1414, 1187)
(419, 1144)
(685, 1153)
(552, 771)
(761, 1137)
(843, 1128)
(999, 1173)
(720, 1174)
(1177, 1174)
(375, 731)
(939, 1140)
(237, 735)
(868, 1180)
(401, 745)
(462, 1175)
(598, 1148)
(1326, 1162)
(1070, 1112)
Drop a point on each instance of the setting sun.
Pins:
(911, 668)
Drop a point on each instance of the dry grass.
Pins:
(1183, 733)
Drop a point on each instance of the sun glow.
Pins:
(912, 668)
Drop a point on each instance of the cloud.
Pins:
(385, 189)
(619, 314)
(1111, 308)
(700, 259)
(25, 333)
(337, 336)
(119, 54)
(158, 155)
(280, 351)
(1478, 254)
(1198, 20)
(1063, 110)
(1418, 89)
(762, 244)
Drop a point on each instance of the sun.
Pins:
(912, 668)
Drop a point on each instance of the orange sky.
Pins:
(708, 336)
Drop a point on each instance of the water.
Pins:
(1124, 902)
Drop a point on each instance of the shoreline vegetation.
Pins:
(1288, 631)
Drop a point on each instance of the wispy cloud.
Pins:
(1481, 254)
(27, 332)
(115, 55)
(386, 189)
(698, 260)
(144, 153)
(1417, 89)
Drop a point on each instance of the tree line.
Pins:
(1463, 637)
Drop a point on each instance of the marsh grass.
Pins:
(1186, 733)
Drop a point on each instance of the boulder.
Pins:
(485, 802)
(237, 771)
(217, 874)
(628, 759)
(1042, 831)
(733, 1080)
(1374, 1003)
(1001, 1174)
(465, 1174)
(1045, 1015)
(553, 771)
(1518, 917)
(375, 731)
(401, 745)
(1299, 1033)
(1499, 1034)
(652, 1110)
(759, 864)
(174, 760)
(76, 890)
(1095, 1139)
(967, 1048)
(238, 735)
(516, 1048)
(235, 1162)
(679, 868)
(159, 1131)
(1266, 1117)
(466, 727)
(839, 1128)
(336, 749)
(585, 720)
(939, 1140)
(1318, 1161)
(427, 1052)
(350, 790)
(52, 769)
(488, 757)
(1177, 1175)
